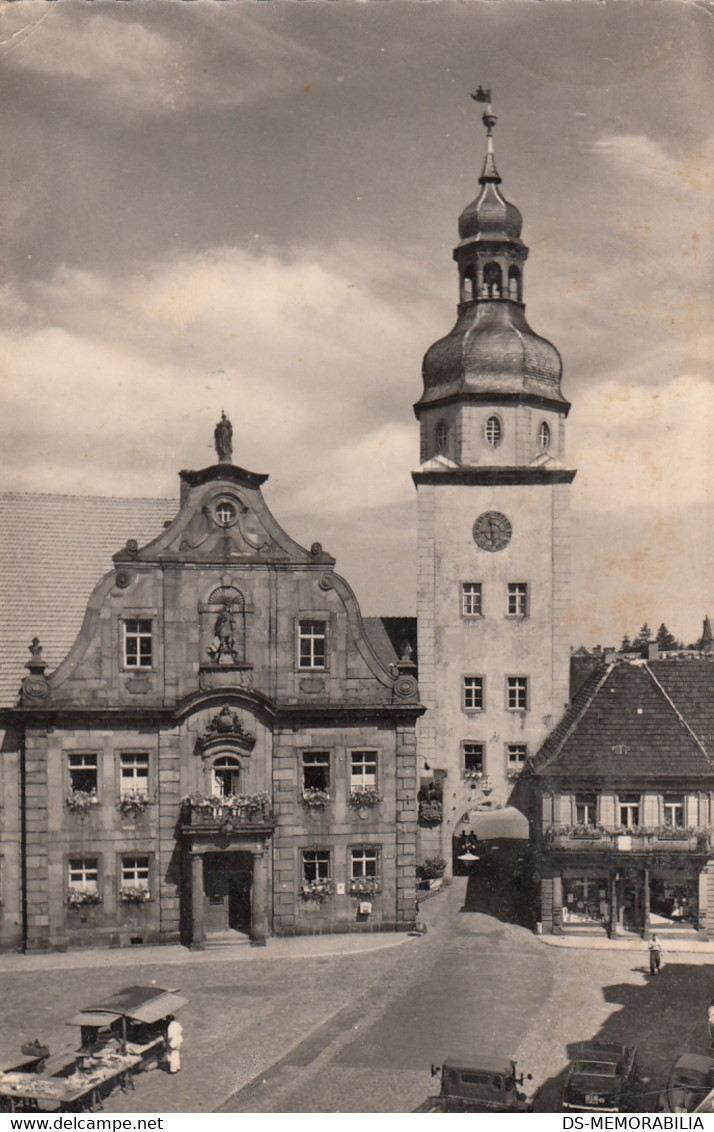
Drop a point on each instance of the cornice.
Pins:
(492, 475)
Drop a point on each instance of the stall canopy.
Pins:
(141, 1004)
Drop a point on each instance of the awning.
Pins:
(142, 1004)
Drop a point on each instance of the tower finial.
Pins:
(489, 119)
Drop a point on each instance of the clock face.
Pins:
(492, 531)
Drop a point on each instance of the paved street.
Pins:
(290, 1029)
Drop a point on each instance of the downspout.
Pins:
(23, 844)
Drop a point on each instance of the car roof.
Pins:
(699, 1062)
(599, 1051)
(479, 1065)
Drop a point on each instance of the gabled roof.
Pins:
(632, 720)
(54, 550)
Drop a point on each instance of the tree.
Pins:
(643, 637)
(626, 644)
(665, 641)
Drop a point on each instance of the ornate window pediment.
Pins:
(225, 730)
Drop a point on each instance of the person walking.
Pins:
(174, 1041)
(710, 1020)
(655, 949)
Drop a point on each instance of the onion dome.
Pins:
(491, 349)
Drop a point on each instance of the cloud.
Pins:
(165, 60)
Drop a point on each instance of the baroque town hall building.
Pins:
(229, 745)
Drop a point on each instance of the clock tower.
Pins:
(493, 541)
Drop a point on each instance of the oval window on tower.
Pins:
(494, 432)
(544, 436)
(442, 436)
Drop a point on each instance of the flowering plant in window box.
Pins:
(316, 889)
(431, 812)
(431, 868)
(363, 796)
(675, 833)
(365, 886)
(244, 807)
(315, 798)
(512, 775)
(473, 775)
(82, 898)
(81, 801)
(130, 894)
(134, 802)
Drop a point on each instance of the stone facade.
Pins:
(221, 748)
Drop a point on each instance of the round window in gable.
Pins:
(225, 513)
(494, 432)
(544, 436)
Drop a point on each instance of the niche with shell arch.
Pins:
(223, 627)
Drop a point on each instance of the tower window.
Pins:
(471, 605)
(517, 693)
(544, 436)
(473, 693)
(473, 759)
(494, 432)
(517, 599)
(442, 435)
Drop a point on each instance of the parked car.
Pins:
(691, 1079)
(601, 1078)
(477, 1084)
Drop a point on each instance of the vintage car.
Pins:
(691, 1079)
(476, 1084)
(601, 1078)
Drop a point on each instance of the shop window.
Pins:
(673, 811)
(363, 863)
(585, 809)
(363, 770)
(226, 771)
(83, 774)
(471, 603)
(630, 810)
(516, 754)
(585, 900)
(135, 874)
(83, 874)
(473, 693)
(316, 770)
(315, 865)
(517, 599)
(473, 759)
(517, 693)
(312, 637)
(133, 774)
(137, 643)
(674, 898)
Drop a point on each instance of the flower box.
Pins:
(134, 802)
(318, 890)
(132, 895)
(81, 801)
(431, 813)
(362, 798)
(239, 809)
(365, 886)
(314, 798)
(80, 898)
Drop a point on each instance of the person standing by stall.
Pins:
(174, 1041)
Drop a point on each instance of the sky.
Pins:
(252, 207)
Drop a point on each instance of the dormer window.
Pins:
(442, 436)
(544, 436)
(494, 432)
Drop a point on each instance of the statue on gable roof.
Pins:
(223, 439)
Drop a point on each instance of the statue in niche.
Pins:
(223, 649)
(223, 439)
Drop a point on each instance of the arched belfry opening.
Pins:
(492, 281)
(468, 285)
(514, 283)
